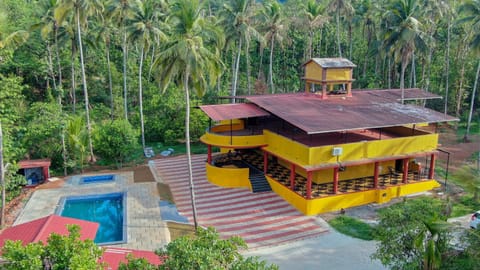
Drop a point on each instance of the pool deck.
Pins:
(145, 229)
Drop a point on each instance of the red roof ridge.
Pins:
(43, 228)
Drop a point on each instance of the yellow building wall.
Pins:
(337, 202)
(228, 177)
(286, 149)
(225, 126)
(234, 141)
(374, 149)
(339, 74)
(313, 71)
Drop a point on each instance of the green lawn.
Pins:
(352, 227)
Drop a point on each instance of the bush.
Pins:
(116, 141)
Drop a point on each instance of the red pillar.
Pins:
(405, 170)
(292, 176)
(431, 172)
(335, 180)
(265, 162)
(375, 175)
(209, 156)
(45, 173)
(309, 185)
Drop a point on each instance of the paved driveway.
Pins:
(330, 251)
(261, 219)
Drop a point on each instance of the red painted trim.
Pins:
(375, 175)
(431, 172)
(405, 170)
(265, 162)
(335, 180)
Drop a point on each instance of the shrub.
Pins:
(116, 141)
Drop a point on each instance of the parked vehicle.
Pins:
(475, 220)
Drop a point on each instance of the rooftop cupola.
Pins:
(329, 76)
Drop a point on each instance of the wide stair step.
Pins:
(259, 183)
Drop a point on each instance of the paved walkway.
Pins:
(332, 250)
(145, 229)
(261, 219)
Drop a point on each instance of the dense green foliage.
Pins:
(207, 251)
(414, 234)
(141, 59)
(352, 227)
(116, 141)
(60, 252)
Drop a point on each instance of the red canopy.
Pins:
(40, 229)
(233, 111)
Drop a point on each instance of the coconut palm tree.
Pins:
(119, 11)
(471, 10)
(275, 32)
(82, 10)
(190, 58)
(404, 34)
(144, 28)
(341, 8)
(314, 13)
(237, 19)
(49, 29)
(104, 34)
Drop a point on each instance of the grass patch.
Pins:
(465, 205)
(352, 227)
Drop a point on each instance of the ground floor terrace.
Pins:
(328, 188)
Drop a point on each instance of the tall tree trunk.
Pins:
(460, 91)
(338, 34)
(85, 91)
(125, 90)
(350, 41)
(389, 70)
(260, 64)
(320, 41)
(73, 94)
(402, 80)
(270, 68)
(187, 144)
(447, 65)
(2, 177)
(59, 64)
(310, 45)
(152, 60)
(140, 96)
(413, 75)
(428, 68)
(50, 70)
(235, 72)
(472, 102)
(110, 86)
(247, 55)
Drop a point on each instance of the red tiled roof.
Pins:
(40, 229)
(364, 110)
(232, 111)
(113, 256)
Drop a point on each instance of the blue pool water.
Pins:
(106, 209)
(168, 211)
(97, 179)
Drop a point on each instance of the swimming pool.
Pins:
(97, 179)
(169, 212)
(109, 210)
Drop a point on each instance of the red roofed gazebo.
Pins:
(40, 229)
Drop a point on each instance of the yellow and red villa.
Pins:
(329, 147)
